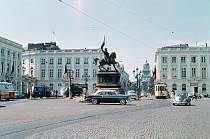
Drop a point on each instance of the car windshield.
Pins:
(183, 95)
(131, 92)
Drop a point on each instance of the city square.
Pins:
(64, 118)
(104, 69)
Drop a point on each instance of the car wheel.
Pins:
(123, 102)
(173, 104)
(95, 101)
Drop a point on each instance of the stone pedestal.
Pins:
(108, 80)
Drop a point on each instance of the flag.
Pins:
(65, 70)
(154, 76)
(2, 67)
(13, 67)
(103, 44)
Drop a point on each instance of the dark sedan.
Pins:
(107, 96)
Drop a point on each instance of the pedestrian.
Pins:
(56, 93)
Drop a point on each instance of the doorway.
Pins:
(195, 89)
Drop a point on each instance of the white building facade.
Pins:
(48, 67)
(10, 62)
(184, 68)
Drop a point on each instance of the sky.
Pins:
(134, 29)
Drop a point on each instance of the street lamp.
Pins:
(137, 76)
(70, 77)
(86, 77)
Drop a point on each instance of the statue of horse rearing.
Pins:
(109, 61)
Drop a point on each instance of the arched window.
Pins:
(183, 87)
(174, 87)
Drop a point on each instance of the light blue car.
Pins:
(132, 94)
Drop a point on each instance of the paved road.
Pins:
(62, 118)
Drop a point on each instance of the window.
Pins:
(203, 73)
(183, 72)
(51, 86)
(32, 60)
(174, 74)
(14, 55)
(43, 61)
(43, 73)
(77, 60)
(164, 73)
(8, 53)
(173, 60)
(59, 61)
(77, 72)
(203, 59)
(18, 56)
(94, 72)
(32, 72)
(183, 87)
(23, 61)
(2, 52)
(193, 59)
(85, 71)
(51, 61)
(203, 87)
(68, 61)
(51, 73)
(59, 73)
(164, 59)
(59, 84)
(86, 60)
(174, 87)
(24, 71)
(183, 60)
(193, 71)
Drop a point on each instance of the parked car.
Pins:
(107, 96)
(132, 94)
(74, 90)
(41, 91)
(181, 99)
(19, 95)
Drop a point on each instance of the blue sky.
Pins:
(133, 28)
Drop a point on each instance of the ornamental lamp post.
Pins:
(137, 76)
(70, 77)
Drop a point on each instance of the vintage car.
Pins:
(181, 99)
(132, 94)
(107, 96)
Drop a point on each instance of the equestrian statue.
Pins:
(108, 60)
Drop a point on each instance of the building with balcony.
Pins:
(10, 62)
(184, 68)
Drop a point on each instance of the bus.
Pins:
(7, 91)
(161, 90)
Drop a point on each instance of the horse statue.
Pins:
(107, 61)
(110, 61)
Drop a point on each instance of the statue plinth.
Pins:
(108, 80)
